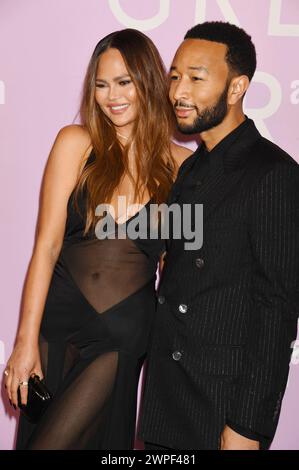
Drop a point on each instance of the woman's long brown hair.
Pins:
(152, 131)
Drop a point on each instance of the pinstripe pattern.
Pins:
(242, 303)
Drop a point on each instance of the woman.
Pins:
(89, 302)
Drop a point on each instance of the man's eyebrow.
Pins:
(201, 68)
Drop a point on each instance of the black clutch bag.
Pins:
(38, 400)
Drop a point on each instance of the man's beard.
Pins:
(208, 118)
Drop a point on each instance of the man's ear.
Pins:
(237, 89)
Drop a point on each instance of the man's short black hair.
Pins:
(240, 56)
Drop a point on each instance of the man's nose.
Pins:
(181, 90)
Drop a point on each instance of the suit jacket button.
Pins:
(176, 355)
(161, 299)
(183, 308)
(199, 262)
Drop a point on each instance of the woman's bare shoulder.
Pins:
(68, 154)
(180, 153)
(75, 136)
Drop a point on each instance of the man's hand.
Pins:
(231, 440)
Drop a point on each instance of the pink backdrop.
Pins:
(45, 46)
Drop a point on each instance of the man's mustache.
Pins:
(181, 104)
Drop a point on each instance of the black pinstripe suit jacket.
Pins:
(240, 297)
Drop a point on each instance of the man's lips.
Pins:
(183, 112)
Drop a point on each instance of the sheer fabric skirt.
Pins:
(92, 358)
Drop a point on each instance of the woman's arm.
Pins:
(61, 173)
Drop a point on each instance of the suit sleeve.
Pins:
(274, 301)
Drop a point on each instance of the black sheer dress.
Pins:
(94, 338)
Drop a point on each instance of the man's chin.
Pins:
(185, 129)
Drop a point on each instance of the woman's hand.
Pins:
(23, 362)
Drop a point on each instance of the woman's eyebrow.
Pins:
(115, 79)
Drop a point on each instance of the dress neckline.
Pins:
(135, 215)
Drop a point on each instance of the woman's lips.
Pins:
(118, 109)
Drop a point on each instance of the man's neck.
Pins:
(213, 136)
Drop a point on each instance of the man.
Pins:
(227, 313)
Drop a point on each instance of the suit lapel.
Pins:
(214, 189)
(185, 168)
(225, 172)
